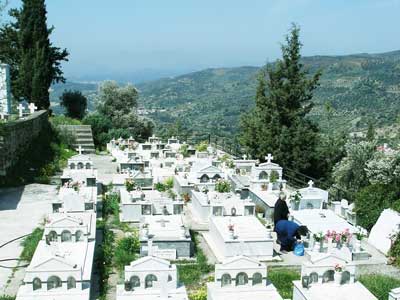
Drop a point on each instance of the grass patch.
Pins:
(6, 297)
(379, 285)
(30, 243)
(126, 251)
(282, 279)
(192, 273)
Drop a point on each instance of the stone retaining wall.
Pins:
(16, 136)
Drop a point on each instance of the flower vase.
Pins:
(330, 245)
(317, 247)
(231, 234)
(357, 246)
(338, 278)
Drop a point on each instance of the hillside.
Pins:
(361, 88)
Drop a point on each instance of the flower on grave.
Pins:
(338, 268)
(231, 227)
(345, 236)
(295, 197)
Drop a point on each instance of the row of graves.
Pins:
(230, 224)
(61, 267)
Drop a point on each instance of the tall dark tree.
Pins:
(278, 124)
(75, 104)
(35, 62)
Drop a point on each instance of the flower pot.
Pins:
(317, 247)
(338, 277)
(231, 234)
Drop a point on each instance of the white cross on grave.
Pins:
(244, 156)
(2, 115)
(162, 222)
(21, 110)
(269, 158)
(32, 107)
(310, 184)
(80, 149)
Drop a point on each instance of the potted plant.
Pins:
(264, 187)
(345, 237)
(260, 211)
(295, 200)
(338, 274)
(360, 234)
(318, 241)
(222, 186)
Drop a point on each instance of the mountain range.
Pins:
(360, 89)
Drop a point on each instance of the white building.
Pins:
(240, 277)
(311, 197)
(151, 278)
(319, 281)
(241, 235)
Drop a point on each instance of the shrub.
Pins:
(395, 250)
(160, 187)
(202, 146)
(371, 201)
(111, 205)
(126, 251)
(282, 280)
(30, 243)
(199, 294)
(130, 185)
(169, 183)
(379, 285)
(6, 297)
(223, 186)
(184, 150)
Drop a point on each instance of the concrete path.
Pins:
(21, 210)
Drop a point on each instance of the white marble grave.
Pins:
(311, 197)
(167, 234)
(206, 205)
(241, 235)
(241, 277)
(319, 281)
(151, 278)
(135, 205)
(387, 226)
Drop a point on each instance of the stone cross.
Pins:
(162, 222)
(310, 184)
(269, 158)
(32, 107)
(79, 149)
(21, 110)
(244, 156)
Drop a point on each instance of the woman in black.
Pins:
(281, 210)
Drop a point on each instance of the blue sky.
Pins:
(123, 36)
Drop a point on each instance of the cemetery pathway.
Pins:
(21, 210)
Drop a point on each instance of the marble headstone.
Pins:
(5, 89)
(387, 225)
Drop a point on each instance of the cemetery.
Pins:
(233, 209)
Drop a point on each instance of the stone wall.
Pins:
(15, 136)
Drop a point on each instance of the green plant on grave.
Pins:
(199, 294)
(395, 250)
(222, 186)
(160, 187)
(169, 183)
(172, 194)
(184, 150)
(130, 184)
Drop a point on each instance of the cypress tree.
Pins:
(35, 62)
(278, 121)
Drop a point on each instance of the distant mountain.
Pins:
(360, 87)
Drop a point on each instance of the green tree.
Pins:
(370, 132)
(100, 126)
(278, 123)
(26, 47)
(75, 104)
